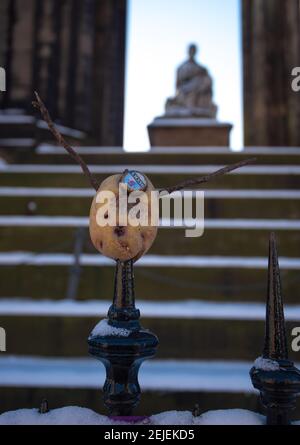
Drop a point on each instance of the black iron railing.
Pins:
(122, 355)
(274, 375)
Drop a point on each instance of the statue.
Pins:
(193, 91)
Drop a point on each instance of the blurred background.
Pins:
(105, 69)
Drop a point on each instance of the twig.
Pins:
(60, 139)
(222, 171)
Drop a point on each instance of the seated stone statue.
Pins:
(194, 91)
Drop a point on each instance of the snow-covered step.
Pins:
(47, 153)
(210, 376)
(64, 192)
(58, 175)
(179, 261)
(158, 277)
(188, 309)
(264, 170)
(16, 121)
(17, 143)
(223, 337)
(209, 224)
(155, 375)
(44, 149)
(222, 237)
(227, 203)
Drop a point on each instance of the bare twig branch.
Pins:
(61, 141)
(203, 179)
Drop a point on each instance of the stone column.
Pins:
(73, 53)
(271, 48)
(16, 51)
(4, 41)
(109, 72)
(84, 75)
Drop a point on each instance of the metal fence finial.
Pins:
(274, 375)
(275, 346)
(122, 356)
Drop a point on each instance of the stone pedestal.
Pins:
(188, 132)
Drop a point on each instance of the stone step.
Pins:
(248, 177)
(32, 379)
(217, 203)
(233, 237)
(181, 309)
(25, 125)
(17, 126)
(154, 375)
(202, 330)
(180, 338)
(49, 154)
(17, 144)
(219, 278)
(21, 133)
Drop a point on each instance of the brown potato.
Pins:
(120, 242)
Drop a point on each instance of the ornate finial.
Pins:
(122, 355)
(275, 346)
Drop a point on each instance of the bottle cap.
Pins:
(135, 181)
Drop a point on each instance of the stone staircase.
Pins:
(204, 297)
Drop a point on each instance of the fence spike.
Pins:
(277, 379)
(275, 347)
(123, 355)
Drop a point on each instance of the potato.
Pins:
(121, 242)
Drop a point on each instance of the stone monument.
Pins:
(190, 116)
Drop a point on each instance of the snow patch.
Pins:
(230, 417)
(104, 329)
(266, 364)
(173, 418)
(71, 415)
(83, 416)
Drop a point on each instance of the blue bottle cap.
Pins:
(135, 181)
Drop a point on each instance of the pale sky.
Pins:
(159, 32)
